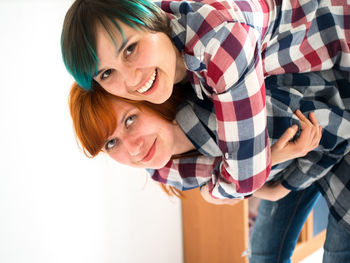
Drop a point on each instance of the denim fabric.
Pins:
(337, 245)
(278, 225)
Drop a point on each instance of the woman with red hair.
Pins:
(146, 135)
(170, 137)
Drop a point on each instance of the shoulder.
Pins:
(200, 10)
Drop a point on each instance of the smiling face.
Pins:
(142, 66)
(142, 138)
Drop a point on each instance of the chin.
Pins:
(160, 100)
(159, 164)
(164, 96)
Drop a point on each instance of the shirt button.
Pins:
(226, 156)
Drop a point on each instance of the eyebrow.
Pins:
(125, 41)
(122, 120)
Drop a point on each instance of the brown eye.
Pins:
(130, 49)
(106, 74)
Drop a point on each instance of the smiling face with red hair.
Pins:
(137, 134)
(142, 138)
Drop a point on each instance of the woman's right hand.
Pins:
(285, 149)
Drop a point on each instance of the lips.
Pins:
(149, 84)
(151, 152)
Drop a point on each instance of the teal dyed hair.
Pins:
(78, 39)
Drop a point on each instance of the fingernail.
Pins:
(294, 127)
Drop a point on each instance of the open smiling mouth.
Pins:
(149, 84)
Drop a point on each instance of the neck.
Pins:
(181, 70)
(183, 144)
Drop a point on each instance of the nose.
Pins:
(133, 144)
(132, 76)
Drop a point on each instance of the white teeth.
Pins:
(148, 84)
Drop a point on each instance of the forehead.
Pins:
(116, 35)
(107, 38)
(122, 107)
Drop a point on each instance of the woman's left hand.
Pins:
(272, 191)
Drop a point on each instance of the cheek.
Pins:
(146, 57)
(157, 50)
(168, 139)
(120, 157)
(164, 157)
(113, 86)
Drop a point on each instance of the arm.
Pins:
(284, 149)
(322, 96)
(317, 96)
(272, 191)
(238, 93)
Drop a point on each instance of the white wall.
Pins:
(55, 204)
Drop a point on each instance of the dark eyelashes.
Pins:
(130, 48)
(115, 141)
(107, 148)
(130, 118)
(109, 71)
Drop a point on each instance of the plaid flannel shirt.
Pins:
(228, 47)
(335, 187)
(325, 93)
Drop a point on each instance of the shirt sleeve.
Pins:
(235, 80)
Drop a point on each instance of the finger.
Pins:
(304, 121)
(306, 140)
(310, 134)
(316, 128)
(313, 119)
(319, 136)
(300, 115)
(287, 135)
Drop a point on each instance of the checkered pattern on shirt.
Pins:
(335, 187)
(206, 35)
(324, 93)
(229, 46)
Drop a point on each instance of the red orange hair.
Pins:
(94, 119)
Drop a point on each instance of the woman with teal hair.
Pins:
(79, 37)
(138, 50)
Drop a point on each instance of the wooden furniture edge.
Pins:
(305, 249)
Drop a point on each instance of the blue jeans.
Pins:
(278, 225)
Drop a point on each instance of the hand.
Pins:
(272, 191)
(207, 197)
(285, 149)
